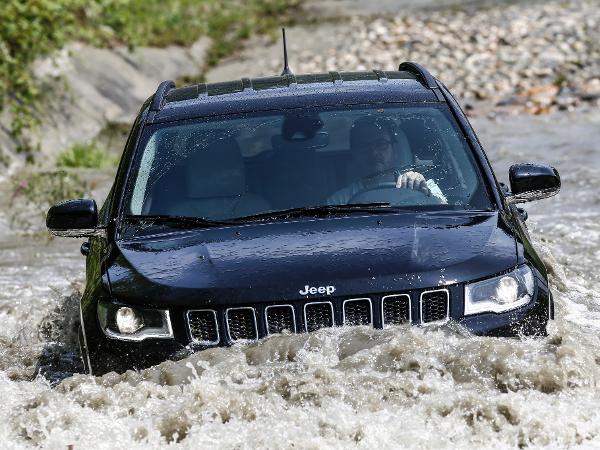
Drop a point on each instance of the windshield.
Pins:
(405, 156)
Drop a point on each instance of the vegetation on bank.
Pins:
(35, 28)
(91, 155)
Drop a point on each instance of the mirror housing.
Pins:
(530, 182)
(74, 218)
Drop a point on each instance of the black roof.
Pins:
(289, 91)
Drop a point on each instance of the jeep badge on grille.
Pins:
(311, 290)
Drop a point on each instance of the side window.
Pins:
(143, 175)
(105, 210)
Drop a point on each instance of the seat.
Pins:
(215, 184)
(297, 177)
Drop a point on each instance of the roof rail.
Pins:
(420, 72)
(163, 89)
(424, 76)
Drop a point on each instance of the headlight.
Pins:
(133, 323)
(501, 293)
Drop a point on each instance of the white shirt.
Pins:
(344, 195)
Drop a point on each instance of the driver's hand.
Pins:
(413, 180)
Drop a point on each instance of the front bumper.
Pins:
(108, 354)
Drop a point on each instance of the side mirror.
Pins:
(74, 218)
(532, 182)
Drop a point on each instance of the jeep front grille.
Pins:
(435, 306)
(246, 323)
(395, 309)
(358, 312)
(280, 318)
(241, 324)
(318, 315)
(203, 326)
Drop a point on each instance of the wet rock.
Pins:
(511, 100)
(590, 91)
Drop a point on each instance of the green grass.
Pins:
(35, 28)
(89, 156)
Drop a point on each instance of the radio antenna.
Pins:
(286, 67)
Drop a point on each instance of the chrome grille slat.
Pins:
(435, 306)
(358, 311)
(318, 315)
(396, 309)
(241, 324)
(203, 326)
(280, 318)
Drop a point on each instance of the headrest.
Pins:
(216, 170)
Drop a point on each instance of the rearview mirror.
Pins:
(530, 182)
(74, 218)
(315, 142)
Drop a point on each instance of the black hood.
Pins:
(274, 261)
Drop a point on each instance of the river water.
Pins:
(336, 388)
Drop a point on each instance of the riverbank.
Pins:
(520, 58)
(531, 58)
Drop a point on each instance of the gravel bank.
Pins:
(381, 8)
(527, 57)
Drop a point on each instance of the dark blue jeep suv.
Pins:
(290, 203)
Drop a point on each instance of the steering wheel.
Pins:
(388, 192)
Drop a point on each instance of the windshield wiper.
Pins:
(319, 211)
(305, 211)
(179, 221)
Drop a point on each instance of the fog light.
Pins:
(133, 323)
(127, 320)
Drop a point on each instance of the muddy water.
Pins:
(336, 388)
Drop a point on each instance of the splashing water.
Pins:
(336, 388)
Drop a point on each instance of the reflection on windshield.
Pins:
(247, 165)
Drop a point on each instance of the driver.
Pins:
(377, 158)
